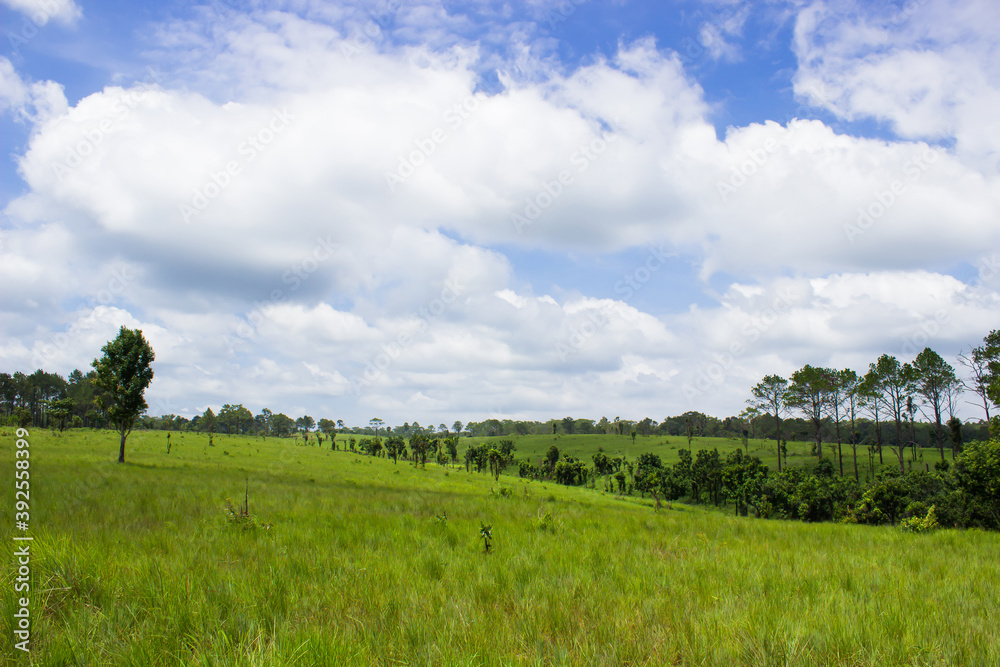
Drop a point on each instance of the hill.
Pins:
(347, 559)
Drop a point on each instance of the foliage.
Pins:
(123, 373)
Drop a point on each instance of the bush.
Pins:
(977, 474)
(920, 524)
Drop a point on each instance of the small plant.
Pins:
(502, 492)
(441, 518)
(240, 516)
(924, 524)
(487, 534)
(546, 520)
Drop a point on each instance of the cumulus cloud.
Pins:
(928, 68)
(305, 219)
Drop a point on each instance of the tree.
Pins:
(329, 427)
(977, 471)
(870, 396)
(808, 393)
(850, 385)
(991, 354)
(552, 457)
(376, 424)
(452, 446)
(934, 379)
(306, 423)
(836, 397)
(896, 382)
(60, 409)
(457, 427)
(124, 373)
(770, 395)
(743, 480)
(394, 447)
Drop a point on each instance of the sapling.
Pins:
(487, 533)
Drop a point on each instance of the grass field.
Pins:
(353, 563)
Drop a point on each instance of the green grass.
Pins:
(137, 564)
(584, 446)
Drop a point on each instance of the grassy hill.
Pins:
(351, 560)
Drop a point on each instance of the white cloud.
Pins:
(931, 69)
(260, 241)
(40, 12)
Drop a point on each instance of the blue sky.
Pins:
(292, 209)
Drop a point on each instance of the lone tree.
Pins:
(123, 373)
(771, 395)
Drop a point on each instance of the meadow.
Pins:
(584, 446)
(354, 560)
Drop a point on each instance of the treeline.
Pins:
(891, 393)
(965, 494)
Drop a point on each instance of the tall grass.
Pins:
(359, 561)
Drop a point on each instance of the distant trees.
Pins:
(234, 418)
(329, 427)
(123, 373)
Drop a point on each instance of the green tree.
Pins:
(850, 386)
(809, 393)
(870, 397)
(934, 379)
(329, 427)
(991, 354)
(306, 423)
(551, 458)
(743, 480)
(60, 410)
(771, 395)
(977, 472)
(124, 373)
(897, 386)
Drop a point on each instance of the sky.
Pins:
(434, 211)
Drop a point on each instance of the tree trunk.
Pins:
(121, 451)
(900, 447)
(777, 437)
